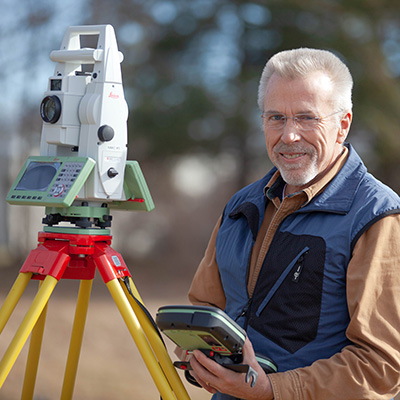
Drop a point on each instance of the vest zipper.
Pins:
(299, 268)
(244, 313)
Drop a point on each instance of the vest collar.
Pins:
(338, 196)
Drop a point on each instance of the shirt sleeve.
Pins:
(206, 288)
(369, 368)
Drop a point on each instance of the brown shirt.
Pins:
(368, 369)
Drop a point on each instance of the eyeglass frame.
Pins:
(295, 118)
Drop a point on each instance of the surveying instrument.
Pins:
(81, 174)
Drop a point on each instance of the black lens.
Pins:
(50, 109)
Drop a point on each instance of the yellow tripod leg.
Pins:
(76, 339)
(140, 339)
(13, 297)
(33, 356)
(26, 327)
(156, 343)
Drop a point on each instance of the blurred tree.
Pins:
(192, 68)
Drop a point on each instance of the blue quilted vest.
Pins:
(298, 312)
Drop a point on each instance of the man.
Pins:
(307, 259)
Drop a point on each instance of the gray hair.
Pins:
(301, 62)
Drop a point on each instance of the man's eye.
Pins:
(305, 117)
(276, 117)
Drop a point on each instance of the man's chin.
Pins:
(297, 178)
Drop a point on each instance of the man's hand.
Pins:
(214, 377)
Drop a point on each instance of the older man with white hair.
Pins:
(307, 259)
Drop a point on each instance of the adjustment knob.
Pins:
(112, 172)
(105, 133)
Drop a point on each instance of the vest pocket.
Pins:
(287, 298)
(298, 261)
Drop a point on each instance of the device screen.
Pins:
(38, 176)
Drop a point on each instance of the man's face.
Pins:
(303, 156)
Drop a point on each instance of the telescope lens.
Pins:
(50, 109)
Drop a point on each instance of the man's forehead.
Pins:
(316, 86)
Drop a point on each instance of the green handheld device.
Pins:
(211, 331)
(200, 327)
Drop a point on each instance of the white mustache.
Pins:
(283, 148)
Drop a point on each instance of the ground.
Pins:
(110, 364)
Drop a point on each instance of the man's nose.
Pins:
(290, 132)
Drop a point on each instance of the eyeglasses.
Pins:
(305, 122)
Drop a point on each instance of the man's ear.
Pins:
(344, 127)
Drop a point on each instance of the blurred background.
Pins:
(190, 76)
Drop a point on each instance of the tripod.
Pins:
(77, 255)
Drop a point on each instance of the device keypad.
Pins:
(65, 179)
